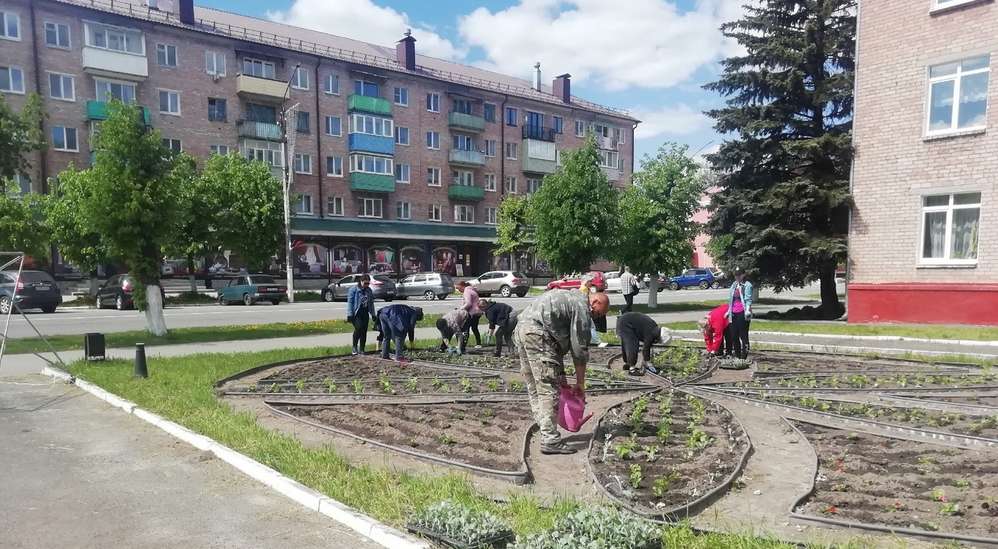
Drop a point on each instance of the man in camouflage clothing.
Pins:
(555, 324)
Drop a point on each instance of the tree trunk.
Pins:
(192, 274)
(653, 292)
(829, 294)
(155, 322)
(194, 283)
(94, 283)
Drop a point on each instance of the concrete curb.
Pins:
(846, 349)
(364, 525)
(971, 342)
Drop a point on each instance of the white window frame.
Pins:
(10, 78)
(491, 216)
(300, 79)
(91, 28)
(225, 115)
(220, 150)
(369, 203)
(62, 85)
(267, 152)
(328, 87)
(328, 123)
(435, 213)
(464, 178)
(401, 96)
(65, 133)
(403, 210)
(580, 128)
(357, 164)
(949, 208)
(168, 102)
(264, 64)
(334, 206)
(468, 214)
(433, 177)
(433, 140)
(334, 172)
(122, 83)
(180, 149)
(214, 62)
(403, 173)
(940, 5)
(495, 111)
(489, 182)
(300, 200)
(164, 50)
(398, 136)
(957, 79)
(533, 184)
(4, 17)
(509, 185)
(490, 148)
(58, 27)
(23, 184)
(303, 163)
(604, 159)
(432, 102)
(510, 148)
(358, 125)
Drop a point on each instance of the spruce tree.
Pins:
(784, 199)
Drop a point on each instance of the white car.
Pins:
(612, 281)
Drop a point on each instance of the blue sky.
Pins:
(647, 56)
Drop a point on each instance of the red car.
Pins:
(574, 282)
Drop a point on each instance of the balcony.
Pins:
(372, 105)
(261, 89)
(259, 130)
(473, 159)
(539, 133)
(115, 64)
(372, 183)
(613, 174)
(466, 122)
(606, 143)
(97, 110)
(357, 142)
(465, 192)
(539, 156)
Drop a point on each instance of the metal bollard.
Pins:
(140, 361)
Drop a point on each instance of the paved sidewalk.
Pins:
(77, 473)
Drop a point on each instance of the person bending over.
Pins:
(452, 324)
(502, 322)
(397, 322)
(639, 330)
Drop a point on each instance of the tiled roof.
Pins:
(252, 29)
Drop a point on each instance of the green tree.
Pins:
(195, 234)
(784, 197)
(655, 230)
(20, 134)
(574, 212)
(77, 240)
(513, 230)
(22, 225)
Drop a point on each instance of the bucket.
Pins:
(571, 410)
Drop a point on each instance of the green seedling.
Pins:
(950, 509)
(638, 413)
(515, 386)
(651, 453)
(697, 439)
(698, 410)
(939, 495)
(466, 385)
(492, 385)
(331, 386)
(357, 386)
(274, 388)
(661, 485)
(962, 483)
(664, 430)
(626, 448)
(412, 384)
(300, 385)
(446, 439)
(634, 476)
(386, 385)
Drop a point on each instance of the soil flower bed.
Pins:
(882, 381)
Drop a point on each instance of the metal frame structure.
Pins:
(18, 258)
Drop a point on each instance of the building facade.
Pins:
(399, 161)
(923, 240)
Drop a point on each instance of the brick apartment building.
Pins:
(400, 160)
(924, 177)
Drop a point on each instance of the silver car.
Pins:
(428, 286)
(381, 286)
(504, 283)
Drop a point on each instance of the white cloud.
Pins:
(617, 44)
(677, 121)
(366, 21)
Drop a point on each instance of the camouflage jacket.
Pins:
(563, 315)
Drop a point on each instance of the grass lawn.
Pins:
(684, 306)
(977, 333)
(180, 389)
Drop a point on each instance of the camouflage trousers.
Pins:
(542, 369)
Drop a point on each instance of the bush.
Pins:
(460, 524)
(307, 297)
(807, 313)
(595, 528)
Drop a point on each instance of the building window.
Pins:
(432, 140)
(403, 210)
(580, 128)
(264, 151)
(371, 125)
(303, 204)
(23, 183)
(303, 163)
(61, 86)
(510, 116)
(366, 163)
(950, 228)
(214, 63)
(11, 80)
(490, 148)
(618, 136)
(489, 112)
(115, 38)
(464, 213)
(510, 151)
(367, 89)
(533, 184)
(609, 159)
(510, 185)
(463, 106)
(169, 102)
(941, 4)
(489, 182)
(303, 125)
(332, 86)
(436, 213)
(464, 142)
(958, 95)
(64, 139)
(299, 80)
(401, 135)
(433, 177)
(490, 216)
(433, 102)
(216, 109)
(464, 178)
(174, 145)
(166, 55)
(220, 150)
(402, 173)
(402, 96)
(107, 90)
(334, 205)
(57, 35)
(370, 207)
(334, 166)
(10, 26)
(559, 124)
(334, 126)
(259, 68)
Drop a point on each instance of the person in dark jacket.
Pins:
(636, 329)
(396, 323)
(360, 308)
(502, 322)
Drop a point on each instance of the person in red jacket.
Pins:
(713, 327)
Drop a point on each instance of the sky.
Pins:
(650, 57)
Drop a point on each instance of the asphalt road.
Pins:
(70, 320)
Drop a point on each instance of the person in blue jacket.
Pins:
(740, 313)
(360, 308)
(396, 322)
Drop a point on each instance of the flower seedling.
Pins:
(950, 509)
(697, 439)
(446, 439)
(830, 510)
(460, 523)
(386, 385)
(515, 386)
(664, 430)
(274, 388)
(637, 416)
(698, 410)
(466, 385)
(634, 476)
(300, 385)
(895, 507)
(651, 453)
(492, 385)
(626, 448)
(437, 383)
(357, 386)
(412, 384)
(939, 495)
(962, 483)
(662, 484)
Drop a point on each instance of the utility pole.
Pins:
(287, 144)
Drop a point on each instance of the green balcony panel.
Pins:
(469, 122)
(97, 110)
(465, 192)
(373, 105)
(372, 183)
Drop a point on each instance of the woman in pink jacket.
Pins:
(469, 303)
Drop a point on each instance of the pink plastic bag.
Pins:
(571, 410)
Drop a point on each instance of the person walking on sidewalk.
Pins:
(397, 322)
(502, 322)
(451, 324)
(589, 287)
(740, 313)
(628, 288)
(639, 330)
(469, 302)
(555, 324)
(360, 309)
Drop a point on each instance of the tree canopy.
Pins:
(513, 230)
(22, 227)
(20, 135)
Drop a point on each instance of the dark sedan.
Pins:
(381, 286)
(34, 290)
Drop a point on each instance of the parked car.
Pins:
(504, 283)
(573, 282)
(117, 292)
(382, 287)
(721, 280)
(699, 278)
(252, 288)
(661, 281)
(429, 286)
(34, 289)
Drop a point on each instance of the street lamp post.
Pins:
(286, 153)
